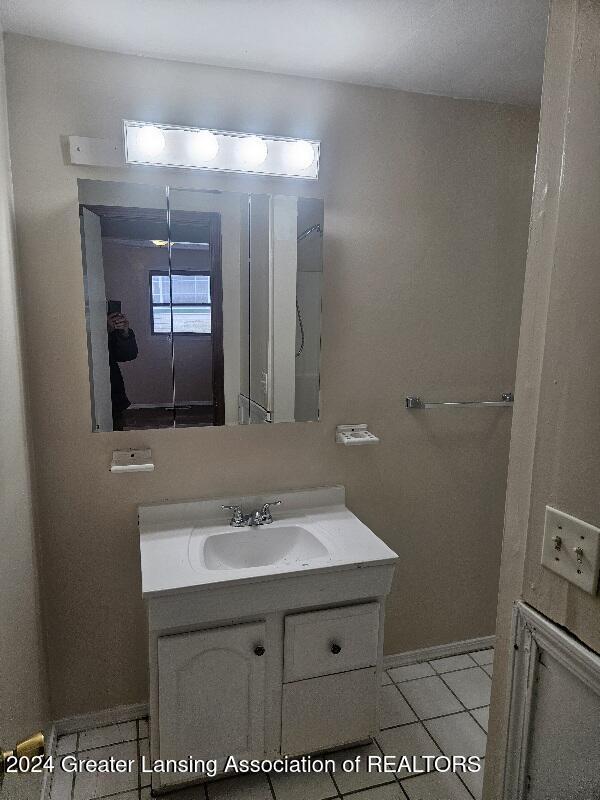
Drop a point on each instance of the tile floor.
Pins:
(429, 708)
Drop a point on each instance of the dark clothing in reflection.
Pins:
(120, 348)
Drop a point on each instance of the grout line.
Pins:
(337, 788)
(396, 778)
(433, 675)
(457, 697)
(421, 722)
(477, 721)
(115, 795)
(270, 782)
(428, 719)
(447, 756)
(368, 788)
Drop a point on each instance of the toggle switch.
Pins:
(571, 548)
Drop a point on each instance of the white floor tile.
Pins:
(390, 791)
(66, 744)
(385, 678)
(145, 794)
(251, 787)
(471, 686)
(474, 781)
(410, 672)
(489, 668)
(451, 663)
(409, 740)
(352, 781)
(434, 786)
(482, 716)
(483, 656)
(430, 697)
(313, 785)
(458, 735)
(394, 708)
(108, 734)
(90, 785)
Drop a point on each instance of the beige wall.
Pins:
(22, 691)
(426, 211)
(555, 448)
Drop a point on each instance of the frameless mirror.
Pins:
(202, 308)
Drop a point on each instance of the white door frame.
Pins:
(533, 634)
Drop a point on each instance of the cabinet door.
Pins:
(327, 712)
(211, 687)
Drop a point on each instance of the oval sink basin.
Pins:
(258, 547)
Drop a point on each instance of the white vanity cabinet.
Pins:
(273, 649)
(211, 693)
(293, 682)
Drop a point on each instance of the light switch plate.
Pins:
(564, 536)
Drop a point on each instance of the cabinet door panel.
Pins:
(211, 688)
(320, 713)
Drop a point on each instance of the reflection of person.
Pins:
(122, 346)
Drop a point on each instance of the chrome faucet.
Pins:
(262, 516)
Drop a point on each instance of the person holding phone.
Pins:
(122, 346)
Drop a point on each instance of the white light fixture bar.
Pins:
(160, 145)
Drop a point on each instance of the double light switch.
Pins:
(572, 549)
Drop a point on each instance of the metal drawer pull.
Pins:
(259, 650)
(335, 648)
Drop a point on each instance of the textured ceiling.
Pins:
(484, 49)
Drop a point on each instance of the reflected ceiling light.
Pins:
(150, 140)
(160, 242)
(253, 150)
(160, 145)
(205, 145)
(301, 154)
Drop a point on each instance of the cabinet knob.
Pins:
(335, 648)
(259, 650)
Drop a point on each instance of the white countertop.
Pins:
(172, 537)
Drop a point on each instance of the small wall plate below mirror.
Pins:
(202, 308)
(351, 435)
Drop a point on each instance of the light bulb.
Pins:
(300, 155)
(150, 140)
(205, 145)
(253, 150)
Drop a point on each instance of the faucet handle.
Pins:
(237, 520)
(265, 511)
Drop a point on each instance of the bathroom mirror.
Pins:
(202, 308)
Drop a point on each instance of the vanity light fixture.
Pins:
(159, 145)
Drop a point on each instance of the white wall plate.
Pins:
(571, 548)
(132, 461)
(354, 434)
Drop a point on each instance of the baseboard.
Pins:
(109, 716)
(439, 651)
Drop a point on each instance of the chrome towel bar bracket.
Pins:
(506, 401)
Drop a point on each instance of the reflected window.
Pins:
(191, 303)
